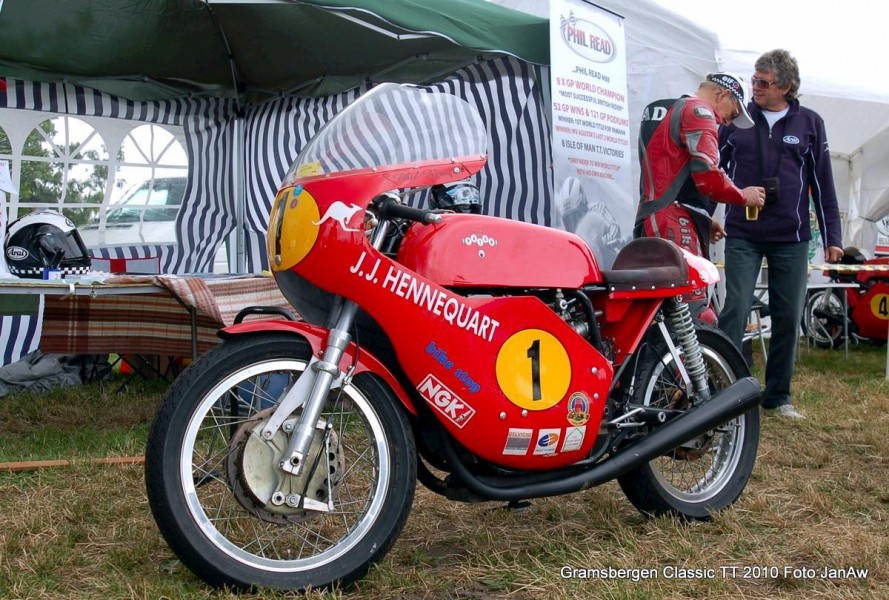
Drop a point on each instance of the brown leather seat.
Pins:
(645, 264)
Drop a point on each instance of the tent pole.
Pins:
(240, 193)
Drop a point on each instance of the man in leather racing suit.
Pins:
(681, 178)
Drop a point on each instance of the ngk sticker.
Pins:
(445, 401)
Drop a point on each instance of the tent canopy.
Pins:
(857, 122)
(255, 49)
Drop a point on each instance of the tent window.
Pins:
(5, 146)
(152, 172)
(64, 167)
(150, 178)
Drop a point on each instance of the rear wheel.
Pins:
(233, 516)
(823, 319)
(709, 473)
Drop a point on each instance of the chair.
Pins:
(757, 310)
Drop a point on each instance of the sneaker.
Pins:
(785, 410)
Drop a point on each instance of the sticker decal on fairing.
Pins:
(573, 438)
(441, 357)
(578, 410)
(547, 441)
(449, 404)
(339, 212)
(437, 301)
(518, 441)
(533, 369)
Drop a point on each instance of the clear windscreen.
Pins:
(393, 124)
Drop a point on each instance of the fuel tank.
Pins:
(490, 252)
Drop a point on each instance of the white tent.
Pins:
(667, 55)
(857, 122)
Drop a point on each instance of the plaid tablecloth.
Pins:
(153, 323)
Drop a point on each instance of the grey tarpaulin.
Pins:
(38, 372)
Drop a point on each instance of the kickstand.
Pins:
(518, 505)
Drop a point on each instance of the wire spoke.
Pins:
(230, 498)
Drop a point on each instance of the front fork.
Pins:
(311, 389)
(692, 369)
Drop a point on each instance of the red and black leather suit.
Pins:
(681, 178)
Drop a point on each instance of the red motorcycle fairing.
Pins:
(487, 252)
(870, 311)
(506, 376)
(317, 339)
(868, 304)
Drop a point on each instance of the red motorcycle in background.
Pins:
(491, 359)
(867, 319)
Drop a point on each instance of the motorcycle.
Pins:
(490, 359)
(865, 314)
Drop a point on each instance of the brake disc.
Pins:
(273, 495)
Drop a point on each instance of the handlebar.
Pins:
(392, 208)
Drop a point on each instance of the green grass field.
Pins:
(818, 500)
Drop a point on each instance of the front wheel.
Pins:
(232, 515)
(708, 473)
(823, 319)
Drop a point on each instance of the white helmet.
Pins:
(44, 240)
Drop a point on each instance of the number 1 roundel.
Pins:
(533, 369)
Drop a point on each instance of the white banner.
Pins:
(595, 196)
(5, 179)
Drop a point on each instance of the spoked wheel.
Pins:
(233, 516)
(708, 473)
(823, 319)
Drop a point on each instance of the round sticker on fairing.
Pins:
(293, 227)
(879, 305)
(578, 410)
(533, 369)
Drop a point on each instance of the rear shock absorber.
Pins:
(679, 316)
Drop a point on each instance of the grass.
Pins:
(818, 498)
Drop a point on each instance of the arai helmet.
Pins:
(44, 240)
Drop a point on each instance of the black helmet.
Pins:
(460, 196)
(44, 240)
(853, 256)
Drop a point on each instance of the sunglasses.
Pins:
(762, 84)
(736, 105)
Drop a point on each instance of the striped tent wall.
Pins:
(508, 93)
(209, 208)
(516, 183)
(209, 196)
(20, 334)
(76, 100)
(275, 132)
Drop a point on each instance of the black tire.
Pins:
(824, 332)
(693, 483)
(210, 512)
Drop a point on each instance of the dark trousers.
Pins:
(788, 264)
